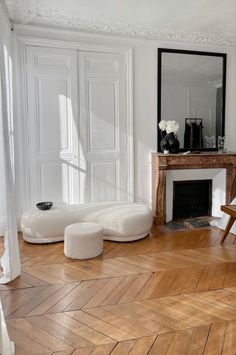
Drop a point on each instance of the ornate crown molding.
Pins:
(54, 17)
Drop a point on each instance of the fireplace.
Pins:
(192, 198)
(213, 163)
(218, 187)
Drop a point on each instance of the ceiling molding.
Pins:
(29, 12)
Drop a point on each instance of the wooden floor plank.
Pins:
(103, 349)
(181, 342)
(149, 288)
(79, 296)
(177, 285)
(162, 344)
(165, 283)
(95, 337)
(59, 331)
(109, 315)
(143, 345)
(101, 326)
(230, 277)
(215, 339)
(149, 311)
(104, 292)
(205, 279)
(128, 312)
(123, 348)
(198, 340)
(218, 277)
(29, 345)
(18, 298)
(218, 309)
(118, 292)
(165, 309)
(229, 346)
(134, 289)
(192, 281)
(82, 351)
(52, 300)
(38, 335)
(188, 309)
(41, 297)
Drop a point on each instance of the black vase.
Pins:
(173, 143)
(163, 134)
(164, 144)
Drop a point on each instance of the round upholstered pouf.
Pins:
(83, 240)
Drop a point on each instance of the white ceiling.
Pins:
(208, 21)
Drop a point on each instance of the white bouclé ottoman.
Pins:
(83, 240)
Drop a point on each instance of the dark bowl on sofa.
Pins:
(44, 205)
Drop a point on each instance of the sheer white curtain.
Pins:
(10, 260)
(7, 346)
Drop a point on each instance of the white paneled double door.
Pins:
(79, 128)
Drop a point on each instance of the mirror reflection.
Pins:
(192, 92)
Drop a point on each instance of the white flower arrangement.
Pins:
(169, 126)
(162, 125)
(172, 126)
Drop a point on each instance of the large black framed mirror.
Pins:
(191, 91)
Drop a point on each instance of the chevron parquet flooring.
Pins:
(172, 293)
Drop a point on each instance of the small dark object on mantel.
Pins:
(44, 205)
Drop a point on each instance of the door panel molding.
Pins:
(68, 111)
(114, 91)
(103, 126)
(23, 117)
(53, 143)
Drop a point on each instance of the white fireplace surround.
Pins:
(218, 177)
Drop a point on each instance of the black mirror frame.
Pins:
(159, 79)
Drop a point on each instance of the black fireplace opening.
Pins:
(192, 198)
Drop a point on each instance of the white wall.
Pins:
(145, 97)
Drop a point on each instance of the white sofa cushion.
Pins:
(121, 221)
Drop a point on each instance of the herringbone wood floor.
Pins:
(171, 293)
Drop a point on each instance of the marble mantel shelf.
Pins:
(205, 160)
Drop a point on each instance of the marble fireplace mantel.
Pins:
(205, 160)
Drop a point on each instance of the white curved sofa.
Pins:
(121, 222)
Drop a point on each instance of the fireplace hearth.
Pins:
(192, 198)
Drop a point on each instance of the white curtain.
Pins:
(10, 260)
(6, 346)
